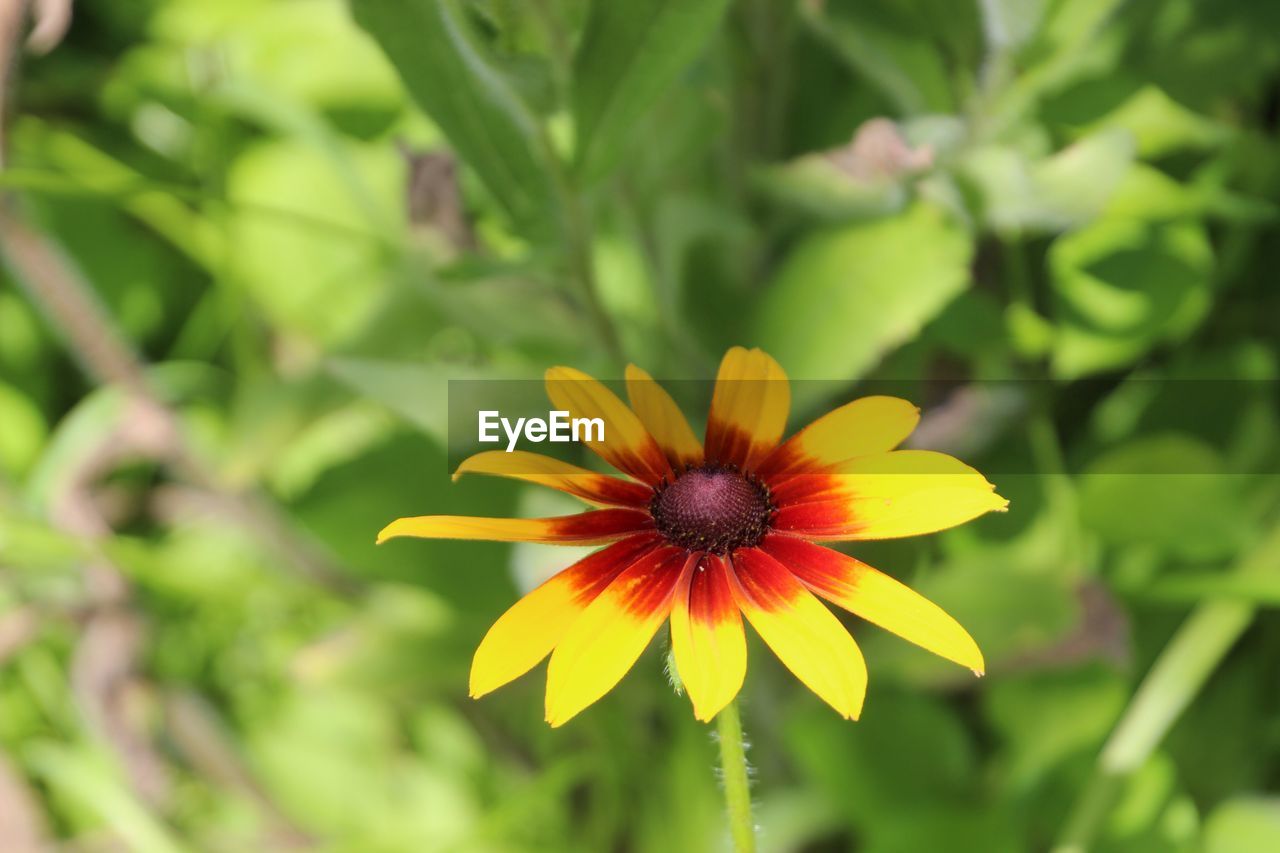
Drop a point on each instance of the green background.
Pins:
(247, 243)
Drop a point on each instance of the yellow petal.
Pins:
(707, 640)
(663, 419)
(748, 409)
(587, 528)
(527, 633)
(627, 445)
(803, 633)
(865, 426)
(591, 486)
(604, 642)
(884, 496)
(876, 597)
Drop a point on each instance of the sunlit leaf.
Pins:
(23, 433)
(1244, 825)
(844, 296)
(1067, 188)
(314, 265)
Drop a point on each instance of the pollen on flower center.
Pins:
(715, 508)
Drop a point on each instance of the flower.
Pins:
(704, 533)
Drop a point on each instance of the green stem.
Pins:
(683, 349)
(1059, 488)
(578, 233)
(737, 786)
(1021, 285)
(558, 47)
(575, 224)
(1181, 670)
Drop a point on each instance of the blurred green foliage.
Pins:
(305, 218)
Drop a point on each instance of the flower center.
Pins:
(714, 508)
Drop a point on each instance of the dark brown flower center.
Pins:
(714, 508)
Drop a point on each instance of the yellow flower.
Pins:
(706, 532)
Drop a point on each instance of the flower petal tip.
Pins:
(555, 716)
(706, 715)
(391, 531)
(852, 712)
(976, 663)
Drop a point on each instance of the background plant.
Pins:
(246, 243)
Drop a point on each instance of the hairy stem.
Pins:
(737, 785)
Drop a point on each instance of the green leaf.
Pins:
(1066, 46)
(1162, 126)
(415, 392)
(1149, 194)
(815, 186)
(901, 779)
(97, 172)
(1079, 179)
(1057, 192)
(1010, 611)
(316, 266)
(330, 439)
(75, 439)
(24, 431)
(84, 775)
(1009, 24)
(906, 751)
(882, 44)
(1168, 491)
(845, 296)
(485, 120)
(1045, 718)
(1247, 824)
(631, 52)
(1122, 287)
(321, 738)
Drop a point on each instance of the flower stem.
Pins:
(579, 238)
(575, 224)
(737, 786)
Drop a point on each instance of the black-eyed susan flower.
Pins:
(703, 533)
